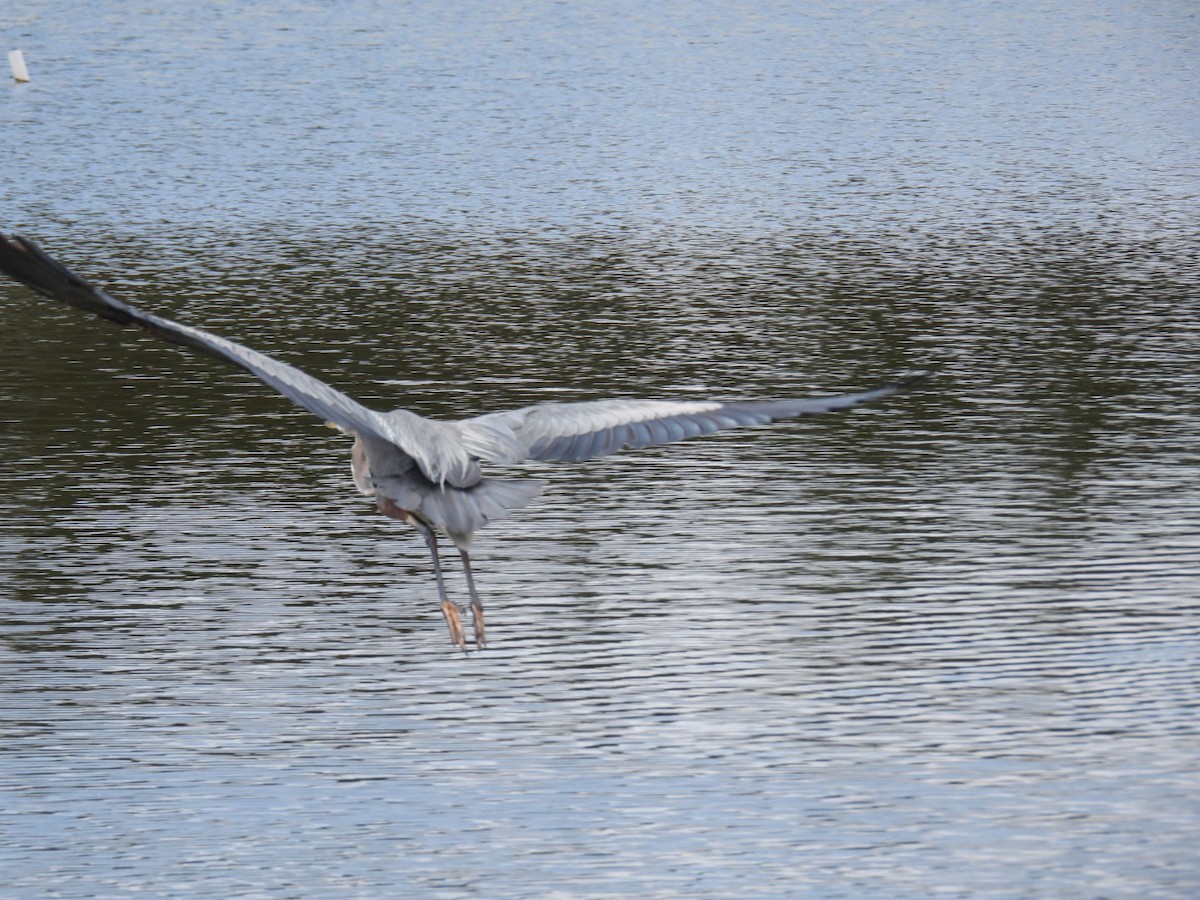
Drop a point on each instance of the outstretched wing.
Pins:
(578, 431)
(27, 263)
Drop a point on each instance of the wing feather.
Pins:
(445, 452)
(578, 431)
(26, 262)
(641, 435)
(434, 446)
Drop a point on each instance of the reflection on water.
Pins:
(945, 644)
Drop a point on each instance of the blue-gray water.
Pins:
(946, 646)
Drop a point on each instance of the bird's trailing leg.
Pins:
(477, 622)
(449, 607)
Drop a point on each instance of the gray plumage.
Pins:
(430, 473)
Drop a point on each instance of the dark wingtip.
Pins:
(905, 382)
(26, 262)
(16, 255)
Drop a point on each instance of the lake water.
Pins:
(947, 646)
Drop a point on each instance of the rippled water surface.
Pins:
(944, 646)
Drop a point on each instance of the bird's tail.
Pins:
(458, 512)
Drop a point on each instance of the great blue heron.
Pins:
(428, 473)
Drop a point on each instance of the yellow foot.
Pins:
(478, 625)
(454, 622)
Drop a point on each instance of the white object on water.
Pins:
(16, 62)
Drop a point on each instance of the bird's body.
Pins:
(428, 473)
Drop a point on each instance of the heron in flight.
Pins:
(430, 473)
